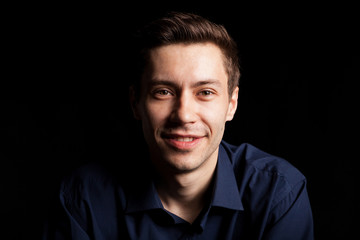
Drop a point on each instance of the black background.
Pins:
(64, 98)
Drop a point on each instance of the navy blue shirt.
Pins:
(254, 196)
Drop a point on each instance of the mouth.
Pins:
(182, 142)
(184, 139)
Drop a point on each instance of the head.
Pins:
(186, 89)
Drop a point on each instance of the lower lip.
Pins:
(181, 145)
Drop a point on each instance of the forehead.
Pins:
(186, 63)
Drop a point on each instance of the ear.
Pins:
(134, 102)
(232, 104)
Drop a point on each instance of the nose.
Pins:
(184, 110)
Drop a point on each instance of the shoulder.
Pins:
(88, 182)
(247, 157)
(262, 176)
(85, 175)
(264, 181)
(89, 193)
(272, 190)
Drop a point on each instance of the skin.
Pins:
(184, 105)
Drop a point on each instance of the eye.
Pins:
(163, 92)
(206, 93)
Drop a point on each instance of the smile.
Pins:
(180, 142)
(184, 139)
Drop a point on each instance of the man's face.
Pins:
(184, 105)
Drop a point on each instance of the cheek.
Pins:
(215, 117)
(154, 115)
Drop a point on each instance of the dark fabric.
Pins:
(255, 196)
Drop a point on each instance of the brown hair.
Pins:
(177, 27)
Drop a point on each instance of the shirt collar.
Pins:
(143, 198)
(225, 194)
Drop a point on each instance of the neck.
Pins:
(186, 194)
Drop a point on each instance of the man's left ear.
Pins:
(232, 104)
(134, 103)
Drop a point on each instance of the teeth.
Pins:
(184, 139)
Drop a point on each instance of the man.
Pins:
(197, 186)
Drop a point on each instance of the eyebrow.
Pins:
(156, 82)
(207, 82)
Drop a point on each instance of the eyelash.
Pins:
(206, 93)
(165, 92)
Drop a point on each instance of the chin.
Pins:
(183, 164)
(172, 159)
